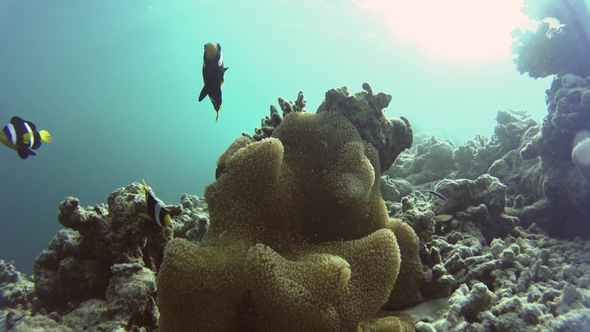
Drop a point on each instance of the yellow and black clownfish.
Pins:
(22, 136)
(213, 71)
(156, 211)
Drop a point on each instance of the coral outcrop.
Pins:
(489, 266)
(299, 238)
(16, 290)
(364, 110)
(566, 193)
(106, 260)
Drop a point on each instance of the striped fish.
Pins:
(156, 211)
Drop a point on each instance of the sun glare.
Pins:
(463, 30)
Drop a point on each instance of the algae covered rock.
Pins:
(299, 238)
(100, 271)
(365, 111)
(15, 288)
(566, 192)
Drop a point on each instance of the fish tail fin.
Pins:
(144, 188)
(45, 136)
(216, 116)
(203, 93)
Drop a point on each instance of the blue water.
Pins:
(116, 84)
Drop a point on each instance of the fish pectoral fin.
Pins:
(45, 136)
(167, 220)
(27, 138)
(146, 216)
(203, 93)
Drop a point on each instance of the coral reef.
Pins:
(193, 222)
(16, 290)
(295, 235)
(105, 262)
(299, 238)
(555, 47)
(364, 110)
(524, 282)
(269, 123)
(566, 193)
(489, 265)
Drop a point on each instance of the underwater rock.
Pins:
(131, 294)
(434, 159)
(566, 192)
(430, 160)
(16, 290)
(109, 253)
(394, 189)
(365, 111)
(481, 201)
(193, 222)
(532, 287)
(90, 315)
(18, 320)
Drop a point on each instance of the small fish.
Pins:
(22, 136)
(213, 72)
(443, 217)
(156, 210)
(439, 195)
(222, 235)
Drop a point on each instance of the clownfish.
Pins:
(156, 211)
(22, 136)
(213, 71)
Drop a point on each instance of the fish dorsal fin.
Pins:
(17, 121)
(45, 136)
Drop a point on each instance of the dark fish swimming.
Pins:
(439, 195)
(22, 136)
(213, 71)
(157, 212)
